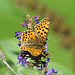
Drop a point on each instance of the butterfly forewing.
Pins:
(42, 28)
(27, 35)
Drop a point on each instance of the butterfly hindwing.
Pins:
(33, 47)
(33, 51)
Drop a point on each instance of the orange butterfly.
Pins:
(33, 40)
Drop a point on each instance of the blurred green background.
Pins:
(61, 37)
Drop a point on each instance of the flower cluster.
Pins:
(25, 55)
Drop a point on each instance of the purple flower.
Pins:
(23, 62)
(23, 24)
(46, 46)
(39, 67)
(19, 38)
(20, 59)
(43, 62)
(18, 33)
(54, 71)
(45, 50)
(48, 72)
(18, 62)
(48, 59)
(19, 44)
(36, 19)
(25, 21)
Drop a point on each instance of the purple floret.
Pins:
(36, 19)
(48, 59)
(23, 62)
(46, 46)
(19, 38)
(19, 44)
(20, 59)
(54, 71)
(18, 33)
(45, 50)
(48, 72)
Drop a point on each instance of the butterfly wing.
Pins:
(27, 35)
(42, 28)
(33, 47)
(30, 43)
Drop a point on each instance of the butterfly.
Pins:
(33, 40)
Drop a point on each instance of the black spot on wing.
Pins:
(43, 37)
(23, 37)
(47, 28)
(26, 32)
(42, 29)
(38, 31)
(45, 32)
(41, 33)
